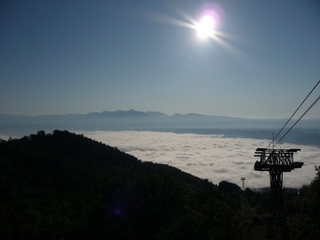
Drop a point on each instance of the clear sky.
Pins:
(59, 57)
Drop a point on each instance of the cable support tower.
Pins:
(276, 161)
(242, 179)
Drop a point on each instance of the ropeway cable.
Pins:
(315, 101)
(310, 157)
(293, 115)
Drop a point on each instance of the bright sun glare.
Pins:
(205, 26)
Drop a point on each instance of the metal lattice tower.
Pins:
(276, 161)
(242, 179)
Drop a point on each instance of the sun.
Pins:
(205, 26)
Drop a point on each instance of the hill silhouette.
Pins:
(66, 186)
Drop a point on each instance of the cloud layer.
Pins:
(209, 156)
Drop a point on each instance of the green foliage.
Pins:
(304, 211)
(227, 187)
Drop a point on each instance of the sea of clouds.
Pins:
(211, 157)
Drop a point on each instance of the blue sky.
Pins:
(59, 57)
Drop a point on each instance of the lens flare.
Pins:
(205, 26)
(210, 16)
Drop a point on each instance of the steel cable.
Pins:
(293, 114)
(315, 101)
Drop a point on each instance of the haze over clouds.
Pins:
(209, 156)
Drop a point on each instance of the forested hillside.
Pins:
(66, 186)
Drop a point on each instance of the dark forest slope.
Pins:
(66, 186)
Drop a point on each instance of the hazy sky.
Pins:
(59, 57)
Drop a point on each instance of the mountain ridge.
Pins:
(148, 113)
(307, 131)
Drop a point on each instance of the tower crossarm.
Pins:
(276, 159)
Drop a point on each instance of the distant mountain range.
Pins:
(307, 131)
